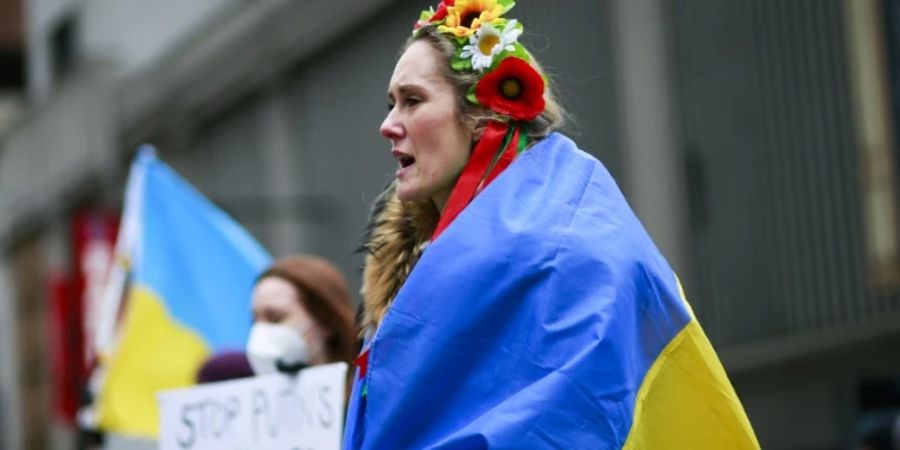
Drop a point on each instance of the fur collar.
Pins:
(394, 240)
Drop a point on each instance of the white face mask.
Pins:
(271, 343)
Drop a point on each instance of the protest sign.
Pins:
(278, 412)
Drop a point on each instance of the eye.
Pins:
(272, 316)
(413, 101)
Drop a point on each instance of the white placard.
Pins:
(278, 412)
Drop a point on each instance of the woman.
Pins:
(512, 299)
(303, 316)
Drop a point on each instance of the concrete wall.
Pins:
(58, 154)
(813, 399)
(10, 401)
(40, 15)
(134, 34)
(128, 35)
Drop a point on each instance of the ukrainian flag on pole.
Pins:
(192, 269)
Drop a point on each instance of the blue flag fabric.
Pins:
(197, 258)
(531, 322)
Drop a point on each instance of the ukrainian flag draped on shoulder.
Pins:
(544, 317)
(192, 269)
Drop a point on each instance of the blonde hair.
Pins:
(551, 119)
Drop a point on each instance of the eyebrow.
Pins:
(405, 88)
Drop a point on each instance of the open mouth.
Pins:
(404, 159)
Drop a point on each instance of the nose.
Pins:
(391, 128)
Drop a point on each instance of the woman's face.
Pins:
(277, 301)
(428, 139)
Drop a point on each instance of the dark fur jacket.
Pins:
(395, 237)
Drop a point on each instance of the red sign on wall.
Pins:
(73, 302)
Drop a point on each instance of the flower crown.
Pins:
(487, 43)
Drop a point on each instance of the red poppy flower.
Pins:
(514, 88)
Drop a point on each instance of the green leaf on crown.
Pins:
(507, 5)
(460, 63)
(471, 95)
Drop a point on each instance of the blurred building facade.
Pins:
(756, 141)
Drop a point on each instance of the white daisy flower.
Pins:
(488, 42)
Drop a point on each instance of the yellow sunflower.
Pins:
(466, 16)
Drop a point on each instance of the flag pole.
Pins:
(107, 312)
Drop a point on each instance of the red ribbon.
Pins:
(474, 177)
(362, 361)
(505, 159)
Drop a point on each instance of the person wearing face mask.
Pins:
(302, 316)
